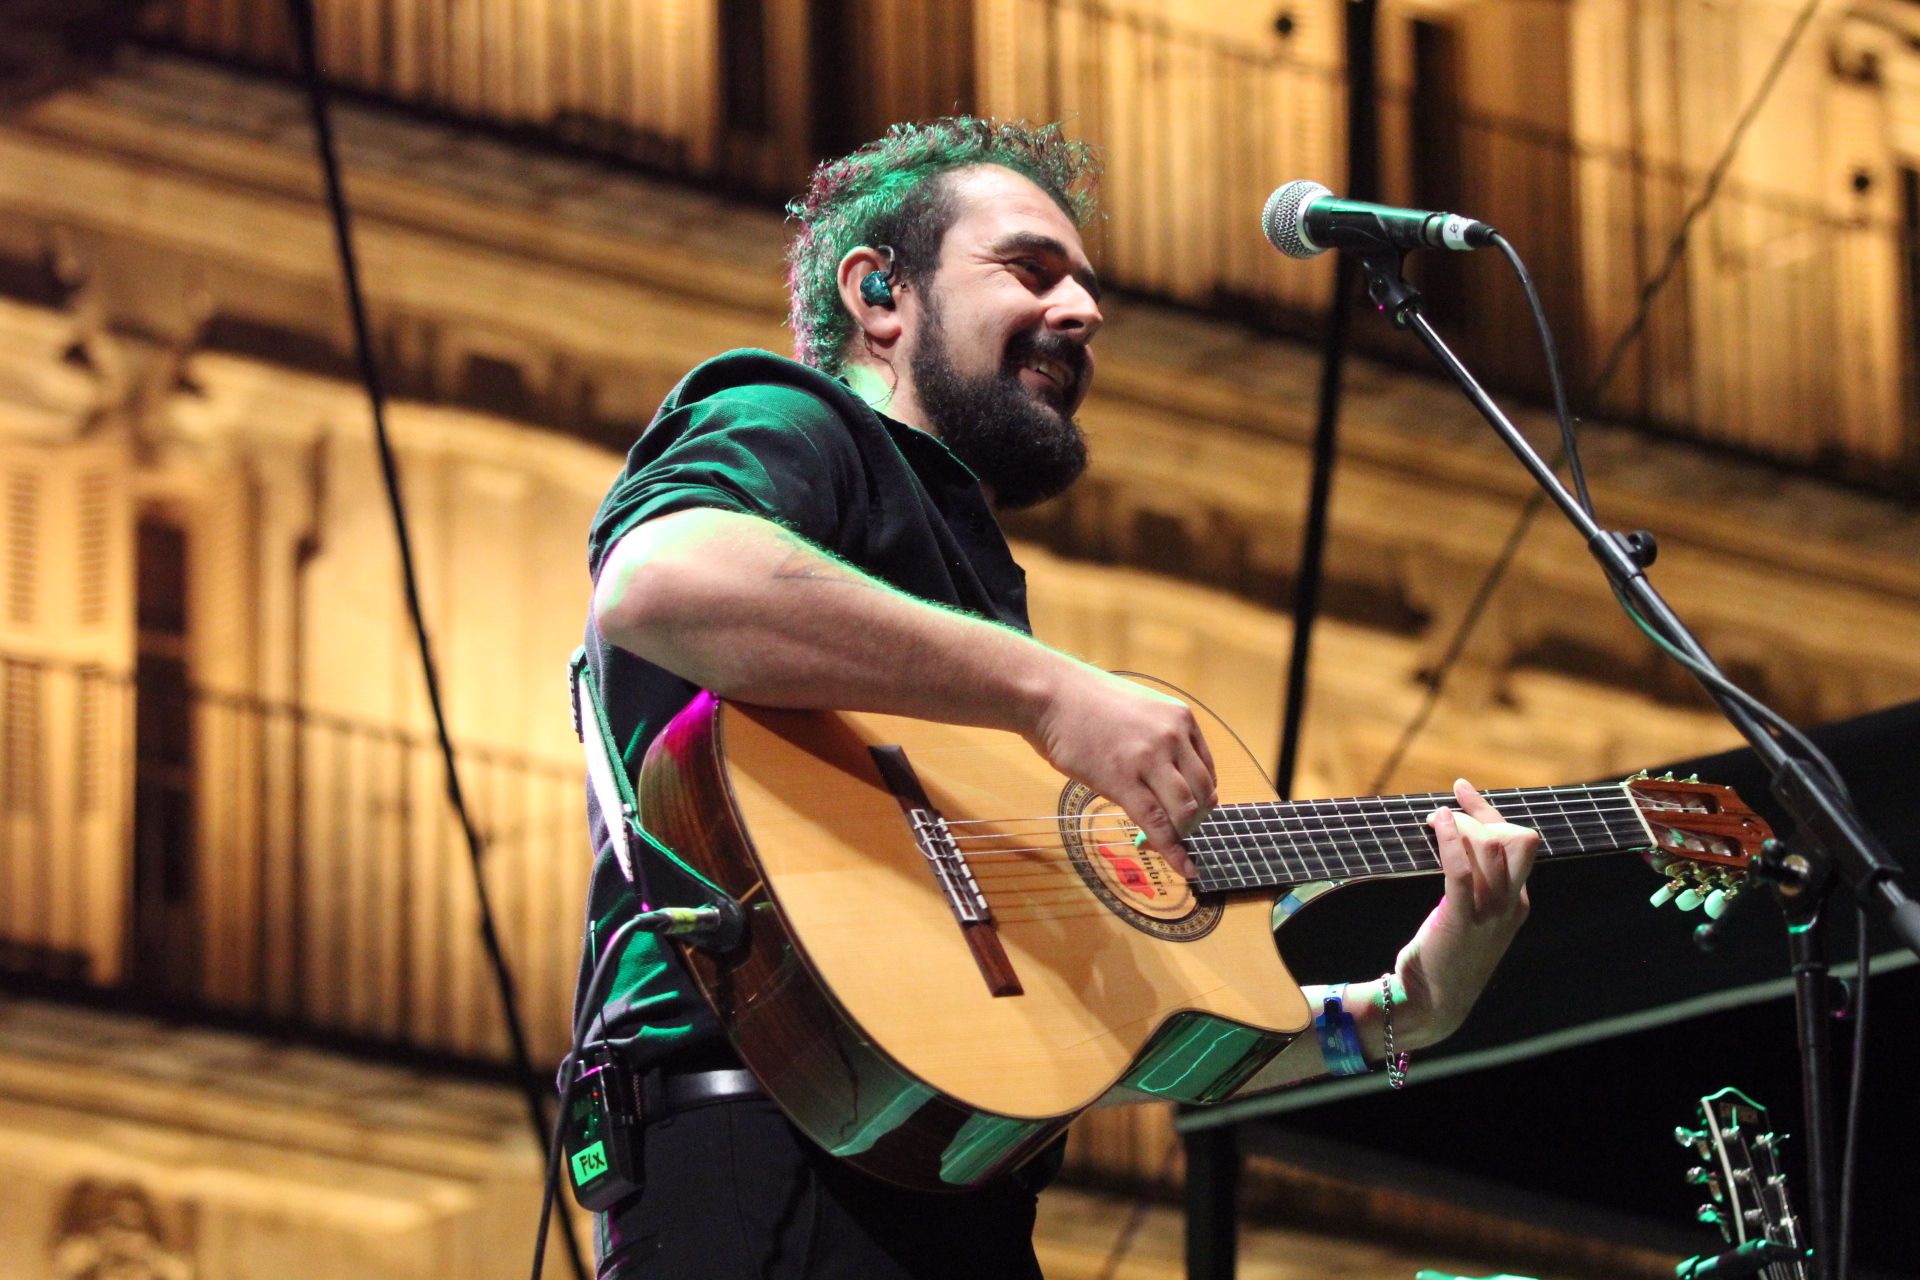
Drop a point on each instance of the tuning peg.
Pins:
(1667, 776)
(1641, 776)
(1708, 1214)
(1716, 904)
(1699, 1175)
(1693, 777)
(1688, 899)
(1664, 894)
(1688, 1137)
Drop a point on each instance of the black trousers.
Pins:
(733, 1192)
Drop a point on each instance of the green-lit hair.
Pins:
(891, 192)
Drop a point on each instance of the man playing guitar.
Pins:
(819, 533)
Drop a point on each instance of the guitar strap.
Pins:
(611, 789)
(719, 928)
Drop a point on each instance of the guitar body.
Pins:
(922, 1050)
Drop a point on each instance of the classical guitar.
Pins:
(1739, 1152)
(952, 950)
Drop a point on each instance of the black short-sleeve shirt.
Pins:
(753, 432)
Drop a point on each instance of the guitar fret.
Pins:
(1378, 832)
(1346, 829)
(1246, 844)
(1593, 805)
(1399, 829)
(1418, 807)
(1372, 833)
(1346, 868)
(1249, 845)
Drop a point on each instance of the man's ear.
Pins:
(875, 312)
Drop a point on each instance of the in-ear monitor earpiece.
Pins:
(876, 287)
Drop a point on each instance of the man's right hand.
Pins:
(1140, 748)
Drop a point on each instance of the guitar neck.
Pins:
(1271, 845)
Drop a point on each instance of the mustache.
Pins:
(1050, 346)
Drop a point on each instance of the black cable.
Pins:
(1856, 1082)
(1708, 674)
(678, 921)
(1569, 446)
(1649, 292)
(308, 49)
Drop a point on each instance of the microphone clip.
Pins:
(1387, 287)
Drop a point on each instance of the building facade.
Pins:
(218, 788)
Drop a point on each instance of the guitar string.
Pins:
(1332, 840)
(1217, 827)
(1020, 880)
(1538, 795)
(1562, 825)
(1032, 888)
(1239, 817)
(1055, 852)
(1009, 895)
(1040, 862)
(1574, 825)
(1250, 812)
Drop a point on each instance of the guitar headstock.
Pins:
(1740, 1168)
(1705, 838)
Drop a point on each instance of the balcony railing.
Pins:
(1785, 330)
(279, 862)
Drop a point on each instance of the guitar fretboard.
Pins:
(1267, 846)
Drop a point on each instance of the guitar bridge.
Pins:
(936, 844)
(931, 833)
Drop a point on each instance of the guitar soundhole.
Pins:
(1135, 884)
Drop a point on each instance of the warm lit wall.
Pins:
(1585, 128)
(1785, 327)
(175, 201)
(132, 1148)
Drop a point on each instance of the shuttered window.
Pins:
(22, 521)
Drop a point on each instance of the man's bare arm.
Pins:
(740, 606)
(1439, 975)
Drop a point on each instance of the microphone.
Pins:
(1304, 219)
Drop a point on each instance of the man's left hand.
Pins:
(1486, 860)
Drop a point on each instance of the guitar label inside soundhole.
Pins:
(1133, 882)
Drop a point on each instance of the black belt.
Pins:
(685, 1090)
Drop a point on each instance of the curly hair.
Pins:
(893, 191)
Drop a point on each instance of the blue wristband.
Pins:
(1339, 1039)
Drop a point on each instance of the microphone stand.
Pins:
(1832, 838)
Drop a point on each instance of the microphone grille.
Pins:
(1282, 221)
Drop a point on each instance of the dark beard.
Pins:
(1023, 450)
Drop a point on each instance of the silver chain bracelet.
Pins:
(1396, 1060)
